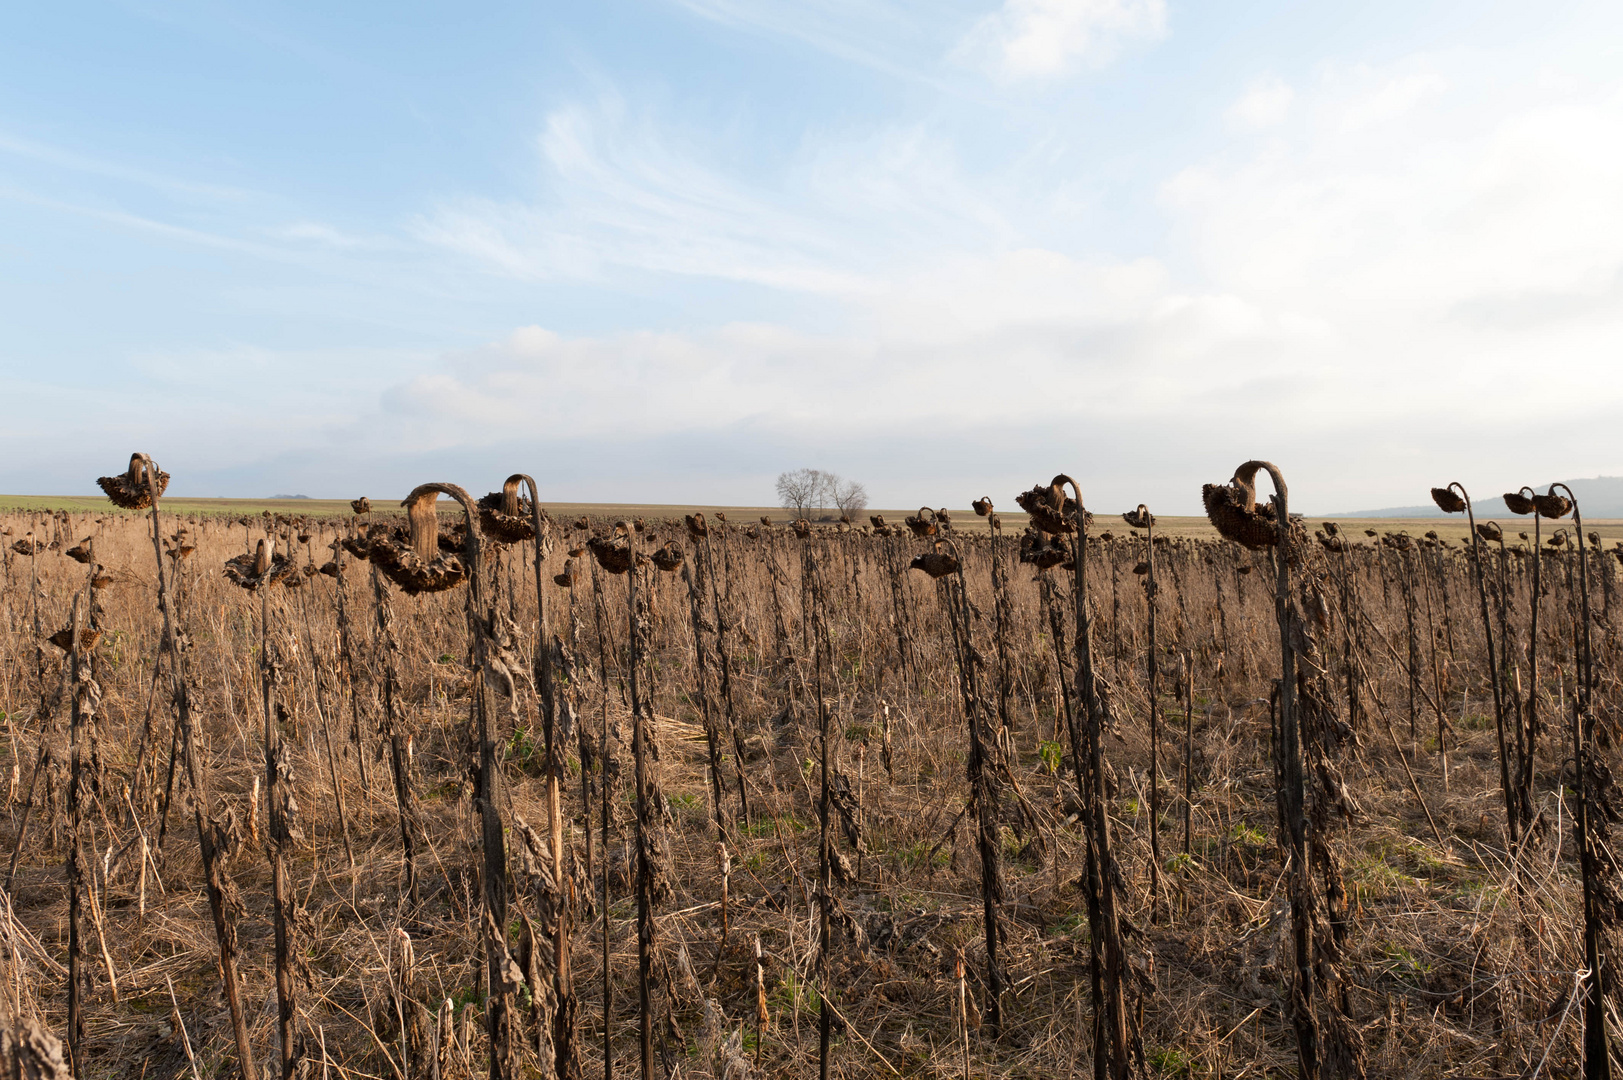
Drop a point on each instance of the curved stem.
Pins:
(1292, 788)
(499, 1011)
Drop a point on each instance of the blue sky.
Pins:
(663, 250)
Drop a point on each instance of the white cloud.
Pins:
(1392, 95)
(1436, 206)
(1265, 103)
(1044, 38)
(985, 340)
(1355, 297)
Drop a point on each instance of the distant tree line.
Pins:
(806, 491)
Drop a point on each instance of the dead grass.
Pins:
(1456, 969)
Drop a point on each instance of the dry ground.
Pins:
(1454, 970)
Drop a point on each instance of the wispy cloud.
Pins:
(899, 39)
(139, 223)
(76, 161)
(625, 191)
(1026, 39)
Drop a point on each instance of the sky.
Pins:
(662, 250)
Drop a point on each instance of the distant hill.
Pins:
(1599, 497)
(290, 496)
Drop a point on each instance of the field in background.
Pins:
(964, 518)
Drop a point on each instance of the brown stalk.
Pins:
(692, 576)
(1141, 518)
(983, 767)
(1528, 727)
(720, 602)
(548, 650)
(1115, 1039)
(490, 669)
(187, 746)
(816, 612)
(646, 811)
(279, 802)
(1597, 796)
(1452, 500)
(84, 693)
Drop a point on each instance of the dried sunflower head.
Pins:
(421, 560)
(1043, 551)
(923, 523)
(505, 516)
(697, 526)
(363, 505)
(131, 489)
(612, 554)
(1447, 500)
(1233, 509)
(80, 552)
(570, 575)
(937, 564)
(1552, 506)
(63, 638)
(667, 558)
(1140, 518)
(982, 505)
(1050, 509)
(266, 566)
(1518, 503)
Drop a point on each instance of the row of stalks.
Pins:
(956, 797)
